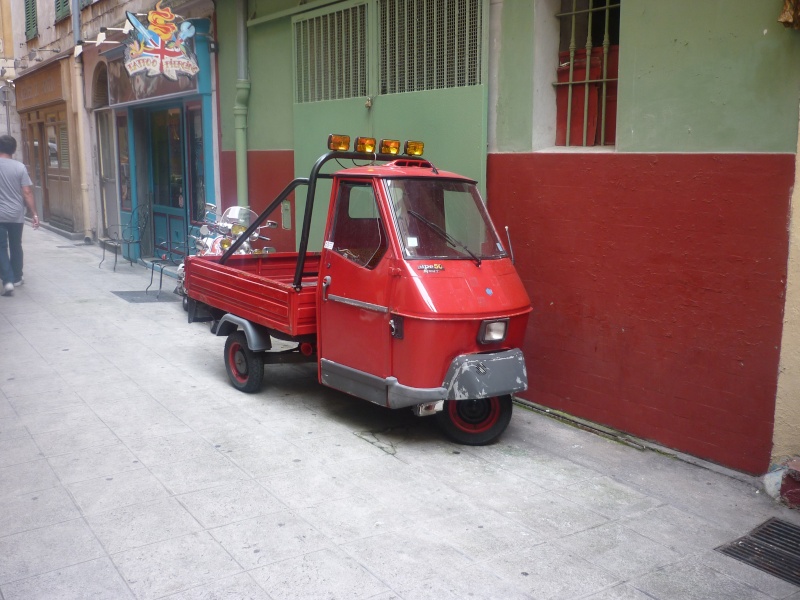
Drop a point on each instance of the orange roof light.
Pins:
(413, 148)
(339, 142)
(390, 146)
(365, 144)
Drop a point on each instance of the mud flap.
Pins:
(198, 312)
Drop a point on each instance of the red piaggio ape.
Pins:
(413, 301)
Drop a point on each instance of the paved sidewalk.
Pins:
(130, 468)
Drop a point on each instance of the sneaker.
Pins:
(20, 282)
(8, 289)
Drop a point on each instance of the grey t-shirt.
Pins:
(13, 175)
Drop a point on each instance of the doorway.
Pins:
(36, 169)
(109, 199)
(168, 183)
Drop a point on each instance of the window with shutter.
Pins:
(63, 146)
(62, 9)
(31, 29)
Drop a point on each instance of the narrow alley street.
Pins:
(130, 468)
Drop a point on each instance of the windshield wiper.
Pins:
(446, 236)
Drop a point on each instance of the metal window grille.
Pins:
(331, 55)
(586, 85)
(429, 44)
(31, 26)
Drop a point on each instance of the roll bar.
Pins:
(311, 182)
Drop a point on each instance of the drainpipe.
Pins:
(80, 112)
(241, 102)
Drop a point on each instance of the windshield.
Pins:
(442, 219)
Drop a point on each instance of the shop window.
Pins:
(196, 161)
(123, 151)
(358, 232)
(62, 9)
(586, 81)
(31, 26)
(100, 86)
(51, 157)
(57, 156)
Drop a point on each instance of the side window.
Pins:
(358, 233)
(586, 88)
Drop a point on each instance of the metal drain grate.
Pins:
(773, 546)
(142, 297)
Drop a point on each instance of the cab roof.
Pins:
(402, 167)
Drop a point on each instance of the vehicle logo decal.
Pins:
(433, 268)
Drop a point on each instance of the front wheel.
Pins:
(245, 367)
(475, 422)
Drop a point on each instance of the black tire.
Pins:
(185, 303)
(475, 422)
(245, 367)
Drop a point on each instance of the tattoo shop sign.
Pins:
(161, 46)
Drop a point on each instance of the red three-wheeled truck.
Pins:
(413, 301)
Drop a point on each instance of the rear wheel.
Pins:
(475, 422)
(245, 367)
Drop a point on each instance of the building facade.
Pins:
(647, 189)
(118, 118)
(9, 119)
(641, 153)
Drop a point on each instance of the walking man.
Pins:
(16, 191)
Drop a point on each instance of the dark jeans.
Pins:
(11, 252)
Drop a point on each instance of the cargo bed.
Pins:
(259, 288)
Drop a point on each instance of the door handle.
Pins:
(326, 281)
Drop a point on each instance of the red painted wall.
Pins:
(657, 282)
(268, 173)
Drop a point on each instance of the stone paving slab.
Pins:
(130, 468)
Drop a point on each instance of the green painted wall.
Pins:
(270, 56)
(448, 121)
(271, 95)
(226, 70)
(514, 113)
(707, 76)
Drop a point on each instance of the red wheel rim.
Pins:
(474, 416)
(237, 362)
